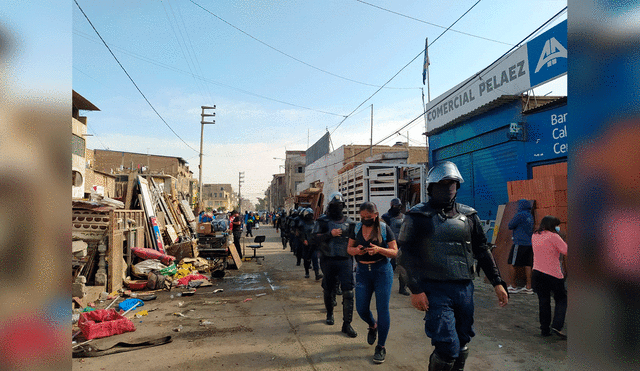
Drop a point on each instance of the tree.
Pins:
(262, 204)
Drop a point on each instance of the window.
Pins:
(300, 169)
(215, 195)
(77, 145)
(76, 179)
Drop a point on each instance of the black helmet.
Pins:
(395, 202)
(307, 213)
(336, 197)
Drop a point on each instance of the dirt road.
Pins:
(269, 317)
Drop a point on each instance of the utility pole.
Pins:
(202, 123)
(371, 143)
(240, 181)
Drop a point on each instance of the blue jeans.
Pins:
(378, 278)
(449, 320)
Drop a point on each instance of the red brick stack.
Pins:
(549, 188)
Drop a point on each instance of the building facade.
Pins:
(119, 162)
(219, 197)
(79, 145)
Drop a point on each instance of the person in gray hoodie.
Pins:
(521, 255)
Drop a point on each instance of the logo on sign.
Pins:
(551, 51)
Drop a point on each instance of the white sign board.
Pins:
(540, 60)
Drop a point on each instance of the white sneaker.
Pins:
(514, 290)
(527, 291)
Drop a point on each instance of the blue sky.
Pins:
(259, 62)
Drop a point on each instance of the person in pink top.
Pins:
(547, 276)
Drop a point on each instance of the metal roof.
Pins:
(82, 103)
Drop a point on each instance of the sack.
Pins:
(144, 253)
(158, 281)
(170, 270)
(143, 268)
(102, 323)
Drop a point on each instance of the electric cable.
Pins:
(130, 78)
(290, 56)
(433, 24)
(160, 64)
(414, 58)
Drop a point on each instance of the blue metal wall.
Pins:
(487, 159)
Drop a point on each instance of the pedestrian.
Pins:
(250, 220)
(438, 242)
(332, 236)
(394, 218)
(298, 230)
(235, 223)
(204, 217)
(547, 275)
(372, 243)
(521, 254)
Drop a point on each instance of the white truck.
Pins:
(380, 183)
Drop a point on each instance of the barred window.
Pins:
(77, 145)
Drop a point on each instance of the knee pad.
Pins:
(349, 294)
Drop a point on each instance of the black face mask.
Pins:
(334, 211)
(443, 196)
(394, 211)
(368, 222)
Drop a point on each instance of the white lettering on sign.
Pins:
(495, 82)
(559, 132)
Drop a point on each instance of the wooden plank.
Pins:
(172, 233)
(149, 209)
(497, 224)
(129, 193)
(236, 257)
(147, 229)
(503, 240)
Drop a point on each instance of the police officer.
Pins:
(309, 251)
(281, 225)
(438, 242)
(291, 222)
(298, 230)
(394, 218)
(332, 233)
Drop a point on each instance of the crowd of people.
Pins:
(435, 246)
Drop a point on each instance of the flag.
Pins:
(426, 60)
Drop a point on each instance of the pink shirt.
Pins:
(547, 247)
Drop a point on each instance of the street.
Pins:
(269, 317)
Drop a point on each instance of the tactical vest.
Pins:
(336, 246)
(395, 223)
(447, 254)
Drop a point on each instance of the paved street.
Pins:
(269, 317)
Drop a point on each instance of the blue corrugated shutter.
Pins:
(492, 168)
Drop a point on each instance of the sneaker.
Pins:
(378, 356)
(561, 334)
(371, 335)
(514, 290)
(527, 291)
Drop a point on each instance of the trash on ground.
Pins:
(263, 294)
(130, 303)
(247, 299)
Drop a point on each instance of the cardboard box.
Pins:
(204, 228)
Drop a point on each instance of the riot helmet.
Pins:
(444, 170)
(336, 204)
(307, 213)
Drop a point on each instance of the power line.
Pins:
(406, 65)
(290, 56)
(160, 64)
(433, 24)
(129, 76)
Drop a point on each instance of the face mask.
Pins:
(558, 229)
(368, 222)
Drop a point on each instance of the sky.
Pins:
(280, 73)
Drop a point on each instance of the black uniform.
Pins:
(309, 253)
(394, 219)
(337, 265)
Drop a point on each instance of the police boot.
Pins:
(328, 305)
(347, 313)
(403, 286)
(458, 365)
(438, 364)
(334, 302)
(306, 272)
(318, 274)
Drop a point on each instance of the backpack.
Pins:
(383, 230)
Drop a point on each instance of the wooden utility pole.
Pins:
(202, 123)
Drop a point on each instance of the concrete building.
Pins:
(294, 170)
(275, 193)
(79, 145)
(119, 162)
(219, 197)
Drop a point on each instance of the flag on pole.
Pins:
(426, 61)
